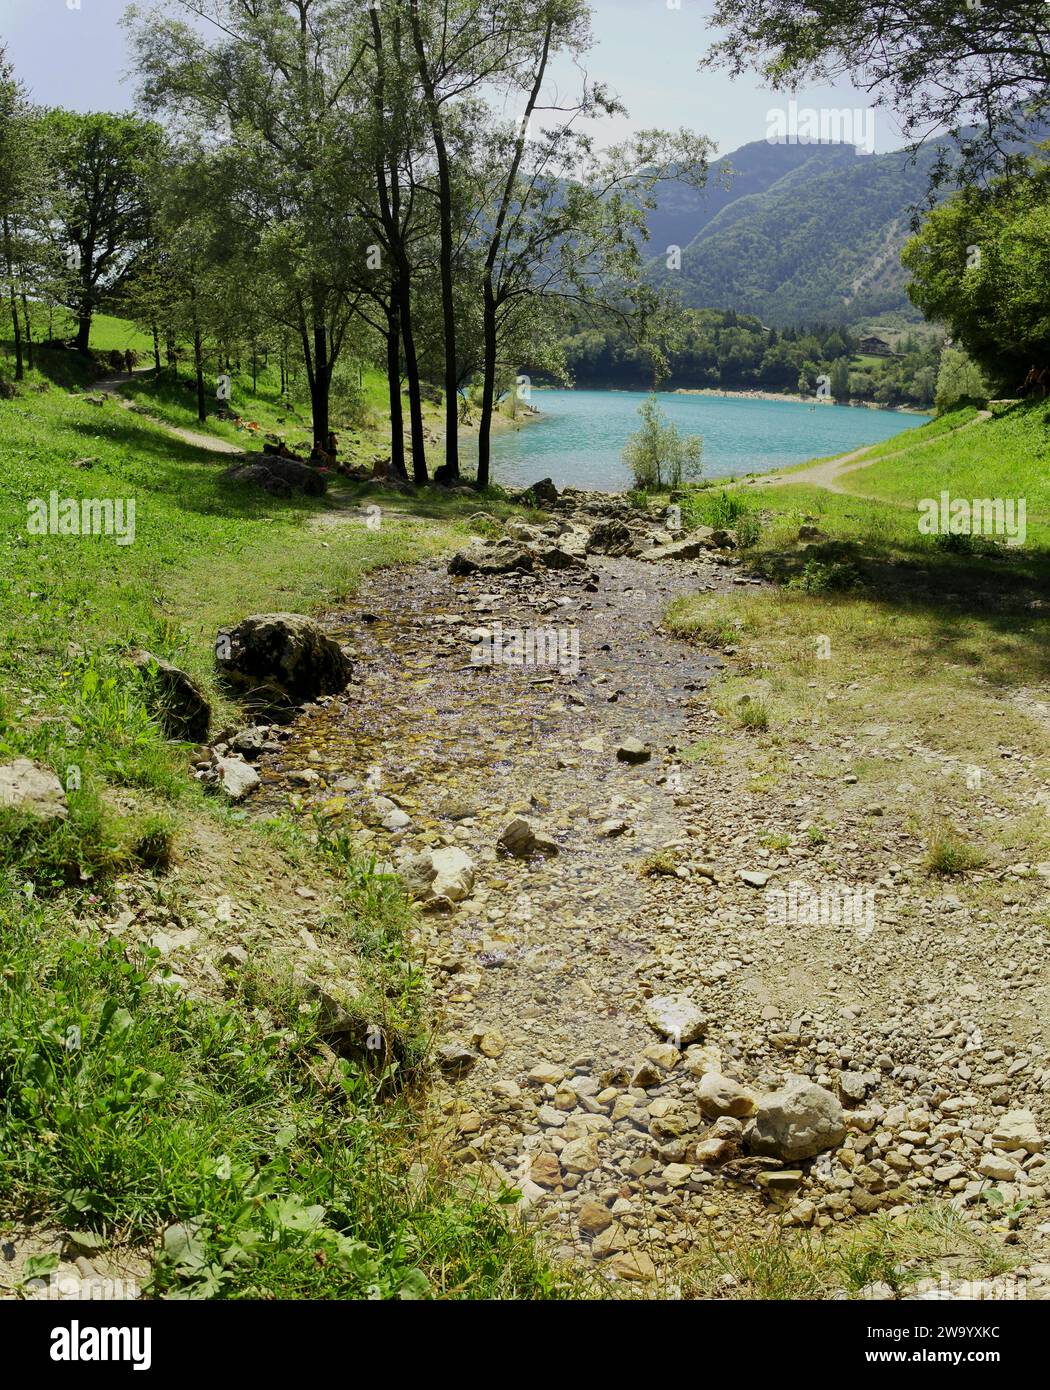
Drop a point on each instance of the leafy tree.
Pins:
(980, 70)
(102, 163)
(657, 455)
(981, 266)
(269, 80)
(959, 379)
(23, 179)
(840, 386)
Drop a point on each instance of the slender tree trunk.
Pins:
(156, 348)
(415, 401)
(488, 389)
(446, 247)
(169, 348)
(29, 331)
(393, 374)
(321, 384)
(198, 363)
(15, 321)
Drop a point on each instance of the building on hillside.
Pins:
(874, 346)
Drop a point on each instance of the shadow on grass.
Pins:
(969, 597)
(192, 477)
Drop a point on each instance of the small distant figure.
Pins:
(318, 458)
(333, 448)
(130, 358)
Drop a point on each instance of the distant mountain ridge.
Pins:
(802, 232)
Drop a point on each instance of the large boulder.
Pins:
(280, 476)
(798, 1121)
(611, 538)
(439, 877)
(541, 494)
(32, 791)
(279, 660)
(300, 477)
(176, 700)
(261, 477)
(501, 557)
(236, 777)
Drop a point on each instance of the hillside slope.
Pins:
(803, 233)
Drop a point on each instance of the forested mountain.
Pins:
(802, 232)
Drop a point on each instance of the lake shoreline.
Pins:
(799, 400)
(747, 394)
(585, 432)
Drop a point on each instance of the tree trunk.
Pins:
(446, 249)
(393, 373)
(156, 348)
(198, 363)
(488, 389)
(15, 321)
(320, 386)
(29, 331)
(82, 342)
(170, 348)
(420, 476)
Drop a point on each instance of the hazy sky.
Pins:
(72, 53)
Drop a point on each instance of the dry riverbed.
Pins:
(664, 874)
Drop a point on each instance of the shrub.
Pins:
(820, 576)
(949, 855)
(658, 456)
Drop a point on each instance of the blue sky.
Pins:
(72, 53)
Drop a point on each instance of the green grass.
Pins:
(1005, 457)
(186, 1125)
(131, 1110)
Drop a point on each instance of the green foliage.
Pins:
(127, 1107)
(827, 576)
(959, 381)
(719, 349)
(981, 265)
(949, 855)
(658, 456)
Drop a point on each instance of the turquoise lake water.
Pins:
(581, 435)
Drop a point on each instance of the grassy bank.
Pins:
(171, 1081)
(873, 622)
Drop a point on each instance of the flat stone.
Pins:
(1017, 1129)
(32, 790)
(676, 1016)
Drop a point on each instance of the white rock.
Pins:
(676, 1016)
(236, 778)
(34, 790)
(798, 1121)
